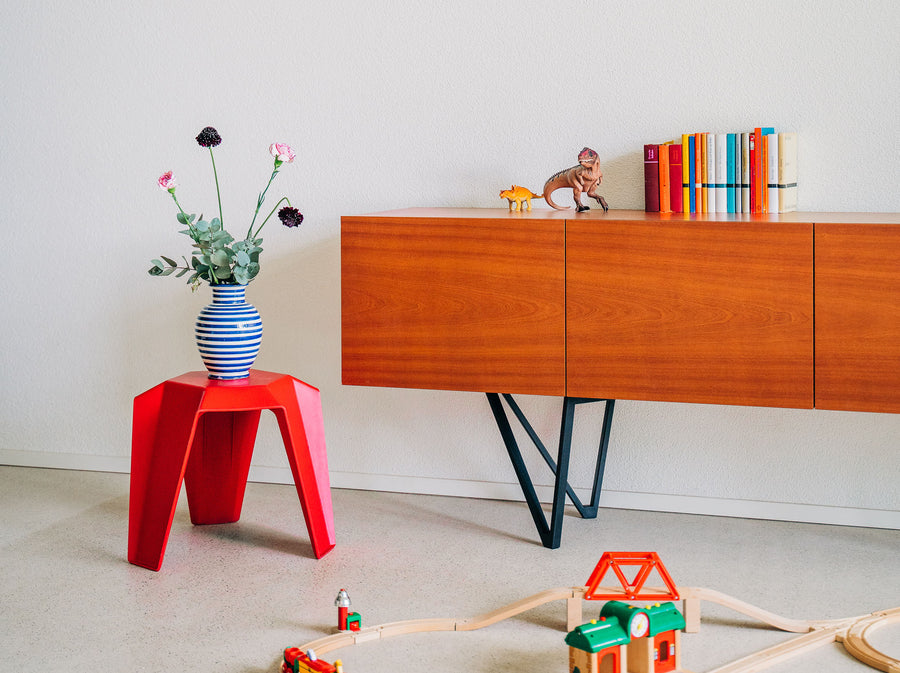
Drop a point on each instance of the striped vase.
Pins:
(228, 333)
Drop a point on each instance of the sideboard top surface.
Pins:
(630, 215)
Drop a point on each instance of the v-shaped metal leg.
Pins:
(551, 532)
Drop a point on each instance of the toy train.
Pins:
(297, 661)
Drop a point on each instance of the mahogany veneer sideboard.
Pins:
(795, 310)
(454, 300)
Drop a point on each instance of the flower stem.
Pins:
(262, 198)
(283, 198)
(218, 194)
(186, 218)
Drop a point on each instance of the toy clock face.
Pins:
(640, 624)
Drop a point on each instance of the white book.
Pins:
(745, 172)
(772, 172)
(721, 172)
(787, 172)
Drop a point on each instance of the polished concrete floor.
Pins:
(230, 598)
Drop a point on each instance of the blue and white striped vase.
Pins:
(228, 333)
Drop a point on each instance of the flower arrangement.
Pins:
(218, 258)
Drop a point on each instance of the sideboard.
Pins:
(796, 310)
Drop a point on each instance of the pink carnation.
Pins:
(281, 152)
(167, 181)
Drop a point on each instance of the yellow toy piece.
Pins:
(517, 196)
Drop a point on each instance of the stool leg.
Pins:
(162, 431)
(216, 475)
(303, 431)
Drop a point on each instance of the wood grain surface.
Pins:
(706, 312)
(454, 303)
(858, 317)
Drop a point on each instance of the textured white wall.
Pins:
(390, 105)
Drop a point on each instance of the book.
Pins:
(720, 154)
(698, 172)
(772, 172)
(787, 172)
(685, 174)
(705, 164)
(651, 178)
(745, 172)
(676, 169)
(729, 172)
(692, 174)
(754, 173)
(761, 169)
(734, 171)
(665, 193)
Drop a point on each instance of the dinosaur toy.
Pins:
(517, 196)
(585, 177)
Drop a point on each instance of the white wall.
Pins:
(398, 104)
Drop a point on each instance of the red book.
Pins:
(651, 178)
(675, 181)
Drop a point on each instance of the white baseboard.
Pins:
(655, 502)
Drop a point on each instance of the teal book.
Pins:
(729, 169)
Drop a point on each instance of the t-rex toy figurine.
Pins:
(585, 177)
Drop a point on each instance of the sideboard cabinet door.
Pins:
(858, 317)
(454, 303)
(691, 311)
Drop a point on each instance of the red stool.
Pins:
(202, 431)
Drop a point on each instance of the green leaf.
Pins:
(202, 226)
(181, 273)
(184, 219)
(168, 261)
(157, 264)
(219, 258)
(242, 258)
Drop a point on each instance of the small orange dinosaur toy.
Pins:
(517, 196)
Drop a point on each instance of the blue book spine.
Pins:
(736, 178)
(729, 185)
(692, 175)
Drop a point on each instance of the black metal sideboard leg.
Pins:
(551, 533)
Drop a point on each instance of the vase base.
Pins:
(229, 377)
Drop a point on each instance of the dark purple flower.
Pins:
(209, 137)
(290, 217)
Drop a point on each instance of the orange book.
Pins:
(757, 184)
(665, 196)
(764, 173)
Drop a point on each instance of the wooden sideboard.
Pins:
(795, 310)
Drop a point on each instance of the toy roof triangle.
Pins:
(645, 562)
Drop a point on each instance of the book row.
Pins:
(752, 172)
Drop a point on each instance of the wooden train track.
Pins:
(852, 632)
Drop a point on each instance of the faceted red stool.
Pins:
(202, 431)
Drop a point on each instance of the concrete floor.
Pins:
(230, 598)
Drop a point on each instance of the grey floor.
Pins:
(229, 598)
